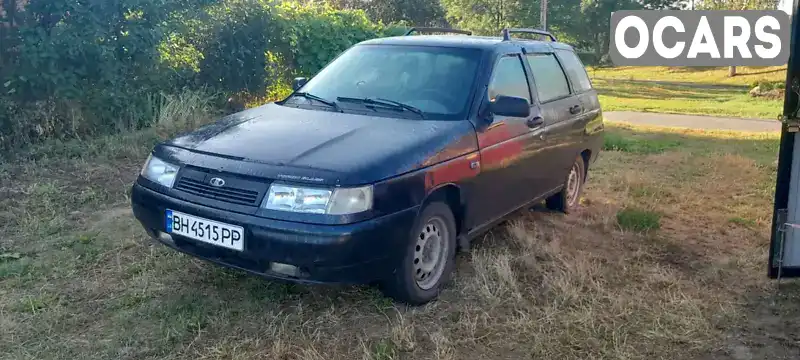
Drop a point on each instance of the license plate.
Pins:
(207, 231)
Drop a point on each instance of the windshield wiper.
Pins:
(384, 102)
(332, 104)
(404, 106)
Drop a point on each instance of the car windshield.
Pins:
(437, 81)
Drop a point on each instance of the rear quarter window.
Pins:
(575, 71)
(551, 84)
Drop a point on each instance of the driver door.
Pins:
(508, 146)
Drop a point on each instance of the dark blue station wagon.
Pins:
(382, 166)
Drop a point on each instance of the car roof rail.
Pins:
(437, 30)
(507, 33)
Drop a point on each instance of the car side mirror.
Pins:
(298, 83)
(510, 106)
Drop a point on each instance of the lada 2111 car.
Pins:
(380, 167)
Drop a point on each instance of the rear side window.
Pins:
(551, 83)
(509, 79)
(575, 71)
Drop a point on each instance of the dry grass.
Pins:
(87, 284)
(186, 110)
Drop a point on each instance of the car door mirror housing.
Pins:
(510, 106)
(298, 83)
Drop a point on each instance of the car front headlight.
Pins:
(338, 201)
(159, 171)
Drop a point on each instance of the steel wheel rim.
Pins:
(430, 253)
(573, 185)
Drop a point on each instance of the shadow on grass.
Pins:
(675, 84)
(741, 71)
(761, 72)
(691, 69)
(654, 90)
(761, 147)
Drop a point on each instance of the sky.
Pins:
(786, 5)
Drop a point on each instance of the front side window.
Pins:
(437, 81)
(575, 71)
(551, 83)
(509, 79)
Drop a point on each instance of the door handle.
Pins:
(535, 122)
(575, 109)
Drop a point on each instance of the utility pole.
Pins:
(543, 15)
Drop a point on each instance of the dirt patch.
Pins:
(768, 326)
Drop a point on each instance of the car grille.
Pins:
(227, 193)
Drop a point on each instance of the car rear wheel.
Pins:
(429, 257)
(569, 197)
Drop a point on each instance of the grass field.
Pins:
(667, 263)
(687, 90)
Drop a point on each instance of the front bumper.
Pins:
(363, 252)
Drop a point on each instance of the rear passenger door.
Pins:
(581, 88)
(558, 109)
(572, 133)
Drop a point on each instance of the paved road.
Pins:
(693, 121)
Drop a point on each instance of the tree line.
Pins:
(71, 68)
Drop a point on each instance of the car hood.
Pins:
(344, 148)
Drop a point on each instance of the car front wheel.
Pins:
(429, 257)
(567, 199)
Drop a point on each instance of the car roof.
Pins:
(468, 41)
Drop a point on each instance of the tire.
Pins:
(418, 279)
(568, 198)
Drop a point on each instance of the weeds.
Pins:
(169, 113)
(383, 350)
(184, 111)
(742, 221)
(638, 220)
(615, 142)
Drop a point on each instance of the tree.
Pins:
(413, 12)
(8, 23)
(736, 4)
(488, 17)
(596, 16)
(582, 23)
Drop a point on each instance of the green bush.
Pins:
(638, 220)
(257, 46)
(241, 43)
(72, 68)
(84, 67)
(397, 29)
(589, 58)
(319, 33)
(617, 142)
(765, 85)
